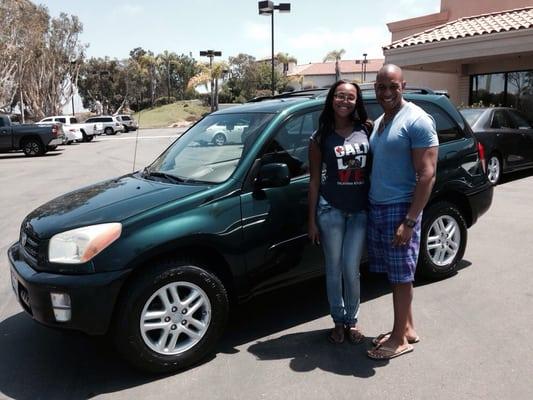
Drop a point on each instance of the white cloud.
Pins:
(131, 10)
(256, 31)
(355, 42)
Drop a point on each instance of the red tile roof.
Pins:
(501, 21)
(328, 68)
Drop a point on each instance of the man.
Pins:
(404, 145)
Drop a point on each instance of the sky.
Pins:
(312, 28)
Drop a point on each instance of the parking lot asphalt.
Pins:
(474, 326)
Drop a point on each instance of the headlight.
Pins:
(82, 244)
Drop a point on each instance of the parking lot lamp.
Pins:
(267, 8)
(211, 54)
(365, 61)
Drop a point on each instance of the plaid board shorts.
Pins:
(399, 263)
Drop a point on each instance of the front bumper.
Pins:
(92, 296)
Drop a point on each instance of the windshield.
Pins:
(472, 114)
(211, 150)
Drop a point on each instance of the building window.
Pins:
(509, 89)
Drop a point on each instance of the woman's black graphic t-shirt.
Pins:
(345, 170)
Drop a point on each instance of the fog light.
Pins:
(61, 306)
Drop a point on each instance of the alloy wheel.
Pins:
(443, 240)
(175, 318)
(494, 170)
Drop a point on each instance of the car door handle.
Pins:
(4, 131)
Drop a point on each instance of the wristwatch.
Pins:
(408, 222)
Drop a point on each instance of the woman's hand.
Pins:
(313, 233)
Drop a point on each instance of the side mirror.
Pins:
(272, 175)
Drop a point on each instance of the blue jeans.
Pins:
(342, 235)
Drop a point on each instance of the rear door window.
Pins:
(519, 121)
(447, 128)
(500, 120)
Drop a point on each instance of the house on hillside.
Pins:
(323, 74)
(479, 50)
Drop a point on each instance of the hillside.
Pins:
(174, 114)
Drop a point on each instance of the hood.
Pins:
(110, 201)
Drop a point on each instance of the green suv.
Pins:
(155, 258)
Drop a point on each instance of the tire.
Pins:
(89, 138)
(33, 147)
(141, 346)
(494, 169)
(109, 131)
(125, 129)
(219, 139)
(443, 240)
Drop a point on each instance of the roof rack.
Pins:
(311, 93)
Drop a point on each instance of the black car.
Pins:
(156, 257)
(507, 137)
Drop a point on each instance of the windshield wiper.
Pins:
(159, 174)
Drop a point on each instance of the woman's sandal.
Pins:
(336, 335)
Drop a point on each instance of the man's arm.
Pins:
(425, 165)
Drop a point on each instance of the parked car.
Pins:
(128, 122)
(71, 125)
(228, 130)
(72, 133)
(110, 124)
(33, 140)
(507, 137)
(156, 257)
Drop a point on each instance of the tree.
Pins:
(285, 59)
(40, 57)
(336, 56)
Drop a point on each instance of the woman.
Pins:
(338, 192)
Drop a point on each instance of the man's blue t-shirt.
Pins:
(393, 177)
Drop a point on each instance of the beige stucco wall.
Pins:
(461, 8)
(435, 81)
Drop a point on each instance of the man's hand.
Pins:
(403, 235)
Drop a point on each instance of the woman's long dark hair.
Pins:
(326, 122)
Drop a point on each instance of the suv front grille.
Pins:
(30, 245)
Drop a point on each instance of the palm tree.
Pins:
(285, 59)
(335, 55)
(213, 76)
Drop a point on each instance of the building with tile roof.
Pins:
(479, 50)
(323, 74)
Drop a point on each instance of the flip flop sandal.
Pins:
(386, 335)
(355, 336)
(386, 353)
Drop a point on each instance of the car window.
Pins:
(107, 119)
(90, 120)
(2, 122)
(195, 157)
(47, 120)
(291, 142)
(62, 120)
(125, 118)
(472, 114)
(500, 120)
(73, 121)
(519, 121)
(447, 128)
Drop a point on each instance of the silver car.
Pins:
(225, 131)
(111, 124)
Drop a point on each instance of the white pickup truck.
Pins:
(75, 130)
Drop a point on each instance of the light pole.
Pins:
(211, 54)
(365, 61)
(267, 8)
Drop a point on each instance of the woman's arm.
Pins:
(315, 165)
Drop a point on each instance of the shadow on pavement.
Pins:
(13, 156)
(514, 176)
(38, 362)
